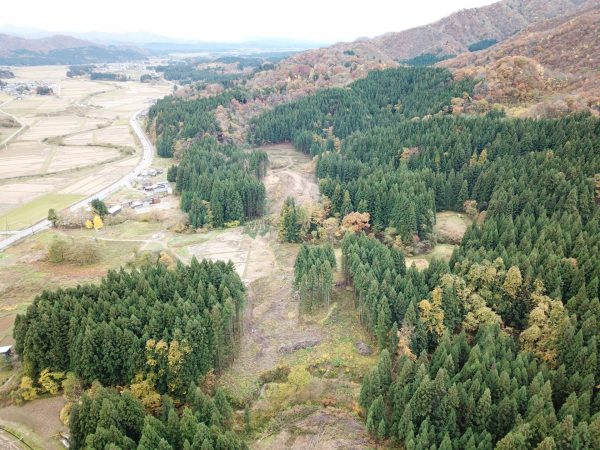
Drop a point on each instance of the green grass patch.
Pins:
(183, 240)
(441, 251)
(36, 210)
(337, 356)
(259, 227)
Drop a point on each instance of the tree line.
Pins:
(313, 275)
(105, 418)
(220, 184)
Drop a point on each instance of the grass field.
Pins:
(36, 210)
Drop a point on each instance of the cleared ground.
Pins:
(449, 230)
(290, 174)
(451, 226)
(75, 142)
(40, 415)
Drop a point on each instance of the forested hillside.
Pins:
(175, 119)
(219, 183)
(551, 67)
(498, 348)
(382, 98)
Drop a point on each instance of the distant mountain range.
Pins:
(541, 53)
(30, 46)
(559, 37)
(60, 49)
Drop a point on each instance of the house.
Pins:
(161, 190)
(149, 172)
(113, 210)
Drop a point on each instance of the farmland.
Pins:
(74, 142)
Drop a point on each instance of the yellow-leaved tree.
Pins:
(547, 321)
(51, 381)
(145, 391)
(432, 313)
(98, 222)
(165, 363)
(26, 392)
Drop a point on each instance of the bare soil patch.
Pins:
(291, 174)
(39, 416)
(324, 428)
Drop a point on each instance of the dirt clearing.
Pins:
(290, 174)
(451, 226)
(321, 415)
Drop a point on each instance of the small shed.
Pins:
(6, 350)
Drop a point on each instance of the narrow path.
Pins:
(49, 157)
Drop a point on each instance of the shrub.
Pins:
(62, 250)
(99, 207)
(277, 375)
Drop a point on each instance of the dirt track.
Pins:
(272, 318)
(290, 174)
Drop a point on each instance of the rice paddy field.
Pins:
(74, 142)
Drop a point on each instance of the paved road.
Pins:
(145, 162)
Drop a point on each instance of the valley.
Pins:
(322, 411)
(385, 243)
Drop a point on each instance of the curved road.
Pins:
(145, 162)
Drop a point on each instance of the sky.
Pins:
(324, 21)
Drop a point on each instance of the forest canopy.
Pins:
(170, 327)
(498, 348)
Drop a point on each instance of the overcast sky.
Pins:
(232, 20)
